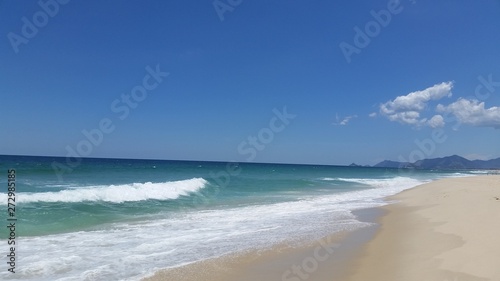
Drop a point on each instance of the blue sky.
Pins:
(412, 70)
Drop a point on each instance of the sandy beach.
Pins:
(444, 230)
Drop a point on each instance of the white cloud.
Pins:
(343, 121)
(473, 112)
(436, 121)
(406, 109)
(407, 117)
(373, 114)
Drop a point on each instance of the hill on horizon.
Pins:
(454, 162)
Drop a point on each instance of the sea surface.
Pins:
(120, 219)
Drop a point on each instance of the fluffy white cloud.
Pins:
(436, 121)
(373, 114)
(409, 108)
(473, 112)
(407, 117)
(406, 109)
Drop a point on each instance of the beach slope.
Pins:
(444, 230)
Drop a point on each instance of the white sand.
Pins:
(445, 230)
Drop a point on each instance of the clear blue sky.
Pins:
(230, 68)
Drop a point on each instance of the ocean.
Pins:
(121, 219)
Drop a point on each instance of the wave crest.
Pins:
(387, 182)
(119, 193)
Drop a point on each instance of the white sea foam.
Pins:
(118, 193)
(481, 171)
(129, 251)
(461, 174)
(396, 182)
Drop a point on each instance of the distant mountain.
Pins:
(488, 163)
(453, 162)
(391, 164)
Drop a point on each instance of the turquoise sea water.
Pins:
(110, 219)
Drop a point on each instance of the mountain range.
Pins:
(453, 162)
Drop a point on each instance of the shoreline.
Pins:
(429, 232)
(263, 264)
(311, 260)
(443, 230)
